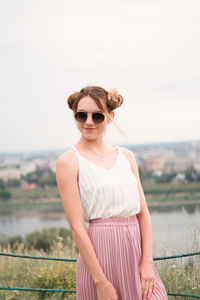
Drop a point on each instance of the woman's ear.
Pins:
(111, 116)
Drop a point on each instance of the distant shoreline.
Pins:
(45, 205)
(173, 203)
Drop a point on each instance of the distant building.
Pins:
(153, 162)
(10, 173)
(39, 162)
(28, 186)
(51, 164)
(179, 178)
(27, 167)
(197, 166)
(157, 173)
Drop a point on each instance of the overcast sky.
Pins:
(147, 50)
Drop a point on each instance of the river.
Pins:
(176, 229)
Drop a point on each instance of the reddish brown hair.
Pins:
(112, 98)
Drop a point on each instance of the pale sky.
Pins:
(147, 50)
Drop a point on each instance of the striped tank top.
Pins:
(107, 192)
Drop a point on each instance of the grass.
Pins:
(35, 273)
(52, 193)
(33, 194)
(169, 188)
(154, 193)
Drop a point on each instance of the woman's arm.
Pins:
(143, 216)
(144, 219)
(66, 176)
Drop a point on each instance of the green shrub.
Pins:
(12, 241)
(4, 194)
(44, 240)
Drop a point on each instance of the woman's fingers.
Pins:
(152, 287)
(144, 289)
(148, 280)
(148, 287)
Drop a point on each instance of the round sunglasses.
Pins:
(97, 117)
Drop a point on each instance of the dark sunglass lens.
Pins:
(81, 116)
(98, 117)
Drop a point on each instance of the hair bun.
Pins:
(114, 99)
(71, 99)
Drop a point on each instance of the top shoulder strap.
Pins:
(117, 147)
(75, 151)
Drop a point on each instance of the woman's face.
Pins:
(88, 105)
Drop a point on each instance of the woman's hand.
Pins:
(106, 291)
(148, 279)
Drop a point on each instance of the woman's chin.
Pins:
(88, 135)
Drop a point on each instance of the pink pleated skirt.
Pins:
(117, 243)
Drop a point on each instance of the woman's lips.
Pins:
(89, 129)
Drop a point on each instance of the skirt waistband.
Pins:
(116, 221)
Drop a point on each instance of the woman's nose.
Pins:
(89, 120)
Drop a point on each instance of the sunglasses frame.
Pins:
(80, 111)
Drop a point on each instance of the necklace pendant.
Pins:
(102, 158)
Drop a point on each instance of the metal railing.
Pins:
(74, 260)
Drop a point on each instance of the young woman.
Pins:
(99, 183)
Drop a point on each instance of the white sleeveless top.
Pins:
(107, 192)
